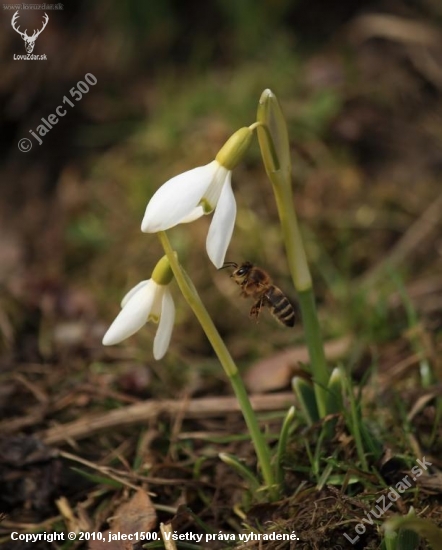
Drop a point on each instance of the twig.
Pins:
(142, 412)
(102, 469)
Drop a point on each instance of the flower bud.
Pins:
(335, 387)
(276, 141)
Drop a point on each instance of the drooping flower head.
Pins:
(149, 300)
(205, 189)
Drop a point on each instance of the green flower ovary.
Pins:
(162, 274)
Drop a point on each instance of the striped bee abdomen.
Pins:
(280, 306)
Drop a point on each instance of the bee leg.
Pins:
(243, 292)
(256, 309)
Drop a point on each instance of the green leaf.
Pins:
(307, 400)
(335, 388)
(242, 470)
(423, 527)
(99, 480)
(282, 443)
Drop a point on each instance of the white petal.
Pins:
(165, 327)
(211, 196)
(221, 228)
(194, 215)
(132, 317)
(177, 198)
(157, 304)
(133, 291)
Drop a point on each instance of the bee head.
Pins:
(240, 272)
(243, 270)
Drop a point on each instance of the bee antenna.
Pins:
(229, 264)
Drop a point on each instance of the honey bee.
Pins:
(256, 283)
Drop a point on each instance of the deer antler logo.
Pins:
(29, 40)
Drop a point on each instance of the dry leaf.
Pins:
(135, 516)
(276, 371)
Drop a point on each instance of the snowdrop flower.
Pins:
(202, 190)
(148, 301)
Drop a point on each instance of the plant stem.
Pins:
(275, 152)
(191, 296)
(315, 348)
(291, 234)
(300, 273)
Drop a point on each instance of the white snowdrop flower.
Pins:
(148, 301)
(205, 189)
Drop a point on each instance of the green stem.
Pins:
(291, 234)
(191, 295)
(274, 142)
(302, 280)
(315, 348)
